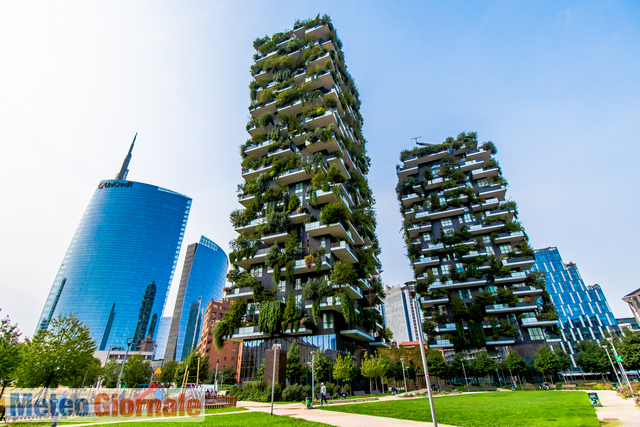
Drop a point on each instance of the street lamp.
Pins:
(126, 354)
(273, 375)
(465, 372)
(313, 376)
(619, 359)
(215, 378)
(403, 375)
(606, 348)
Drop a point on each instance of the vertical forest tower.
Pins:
(305, 259)
(469, 253)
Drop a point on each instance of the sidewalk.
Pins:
(615, 407)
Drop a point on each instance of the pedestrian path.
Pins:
(616, 408)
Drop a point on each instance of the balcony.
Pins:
(413, 160)
(260, 109)
(450, 284)
(258, 150)
(381, 343)
(339, 163)
(487, 204)
(297, 218)
(479, 154)
(272, 238)
(493, 192)
(431, 247)
(247, 333)
(526, 290)
(500, 341)
(447, 327)
(319, 61)
(522, 263)
(513, 277)
(336, 230)
(532, 322)
(440, 344)
(415, 229)
(324, 80)
(509, 213)
(281, 153)
(258, 258)
(440, 214)
(509, 237)
(410, 199)
(404, 172)
(300, 266)
(291, 109)
(484, 173)
(434, 183)
(292, 176)
(421, 263)
(331, 303)
(552, 338)
(248, 174)
(471, 165)
(484, 228)
(251, 226)
(504, 308)
(358, 333)
(239, 294)
(246, 199)
(343, 251)
(352, 291)
(302, 330)
(430, 302)
(329, 146)
(321, 121)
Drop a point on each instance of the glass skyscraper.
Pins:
(118, 268)
(203, 277)
(584, 311)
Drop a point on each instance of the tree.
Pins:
(629, 348)
(457, 365)
(9, 352)
(436, 364)
(514, 364)
(563, 361)
(321, 366)
(227, 375)
(261, 372)
(592, 358)
(58, 355)
(136, 371)
(369, 368)
(294, 367)
(91, 375)
(544, 361)
(341, 274)
(168, 372)
(190, 363)
(110, 374)
(483, 364)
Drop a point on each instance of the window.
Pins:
(493, 290)
(256, 271)
(459, 267)
(225, 350)
(442, 309)
(225, 358)
(298, 284)
(464, 293)
(323, 242)
(446, 268)
(327, 320)
(489, 250)
(446, 222)
(282, 286)
(299, 302)
(468, 218)
(233, 358)
(426, 237)
(536, 333)
(504, 249)
(486, 239)
(299, 188)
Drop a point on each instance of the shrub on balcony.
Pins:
(489, 146)
(506, 329)
(314, 291)
(506, 296)
(294, 203)
(265, 119)
(333, 213)
(292, 316)
(334, 175)
(270, 316)
(231, 320)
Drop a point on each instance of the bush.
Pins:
(296, 393)
(334, 212)
(256, 391)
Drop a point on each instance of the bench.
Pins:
(528, 387)
(327, 396)
(564, 386)
(359, 393)
(472, 388)
(490, 388)
(375, 392)
(447, 388)
(221, 402)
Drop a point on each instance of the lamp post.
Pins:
(126, 354)
(606, 348)
(622, 370)
(273, 375)
(403, 375)
(215, 378)
(426, 372)
(313, 376)
(464, 371)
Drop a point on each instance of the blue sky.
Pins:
(553, 84)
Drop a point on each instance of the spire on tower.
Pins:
(124, 170)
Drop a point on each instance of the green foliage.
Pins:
(629, 349)
(292, 316)
(332, 213)
(321, 366)
(294, 203)
(270, 316)
(167, 372)
(137, 370)
(506, 296)
(514, 363)
(59, 355)
(483, 364)
(9, 352)
(592, 358)
(348, 308)
(294, 367)
(230, 320)
(190, 363)
(436, 364)
(110, 374)
(296, 392)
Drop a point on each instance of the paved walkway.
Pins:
(615, 407)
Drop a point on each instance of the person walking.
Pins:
(60, 406)
(323, 394)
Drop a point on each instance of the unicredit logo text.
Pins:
(109, 184)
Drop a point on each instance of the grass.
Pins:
(499, 409)
(223, 410)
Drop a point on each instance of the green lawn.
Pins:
(249, 419)
(221, 410)
(512, 409)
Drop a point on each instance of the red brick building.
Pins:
(228, 355)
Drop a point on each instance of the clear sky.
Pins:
(555, 85)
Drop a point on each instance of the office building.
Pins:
(161, 338)
(203, 277)
(119, 265)
(628, 324)
(307, 205)
(584, 311)
(633, 299)
(469, 253)
(401, 313)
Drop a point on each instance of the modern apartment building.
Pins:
(306, 255)
(633, 299)
(401, 313)
(203, 278)
(584, 310)
(229, 353)
(119, 265)
(469, 253)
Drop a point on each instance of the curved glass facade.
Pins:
(203, 277)
(117, 271)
